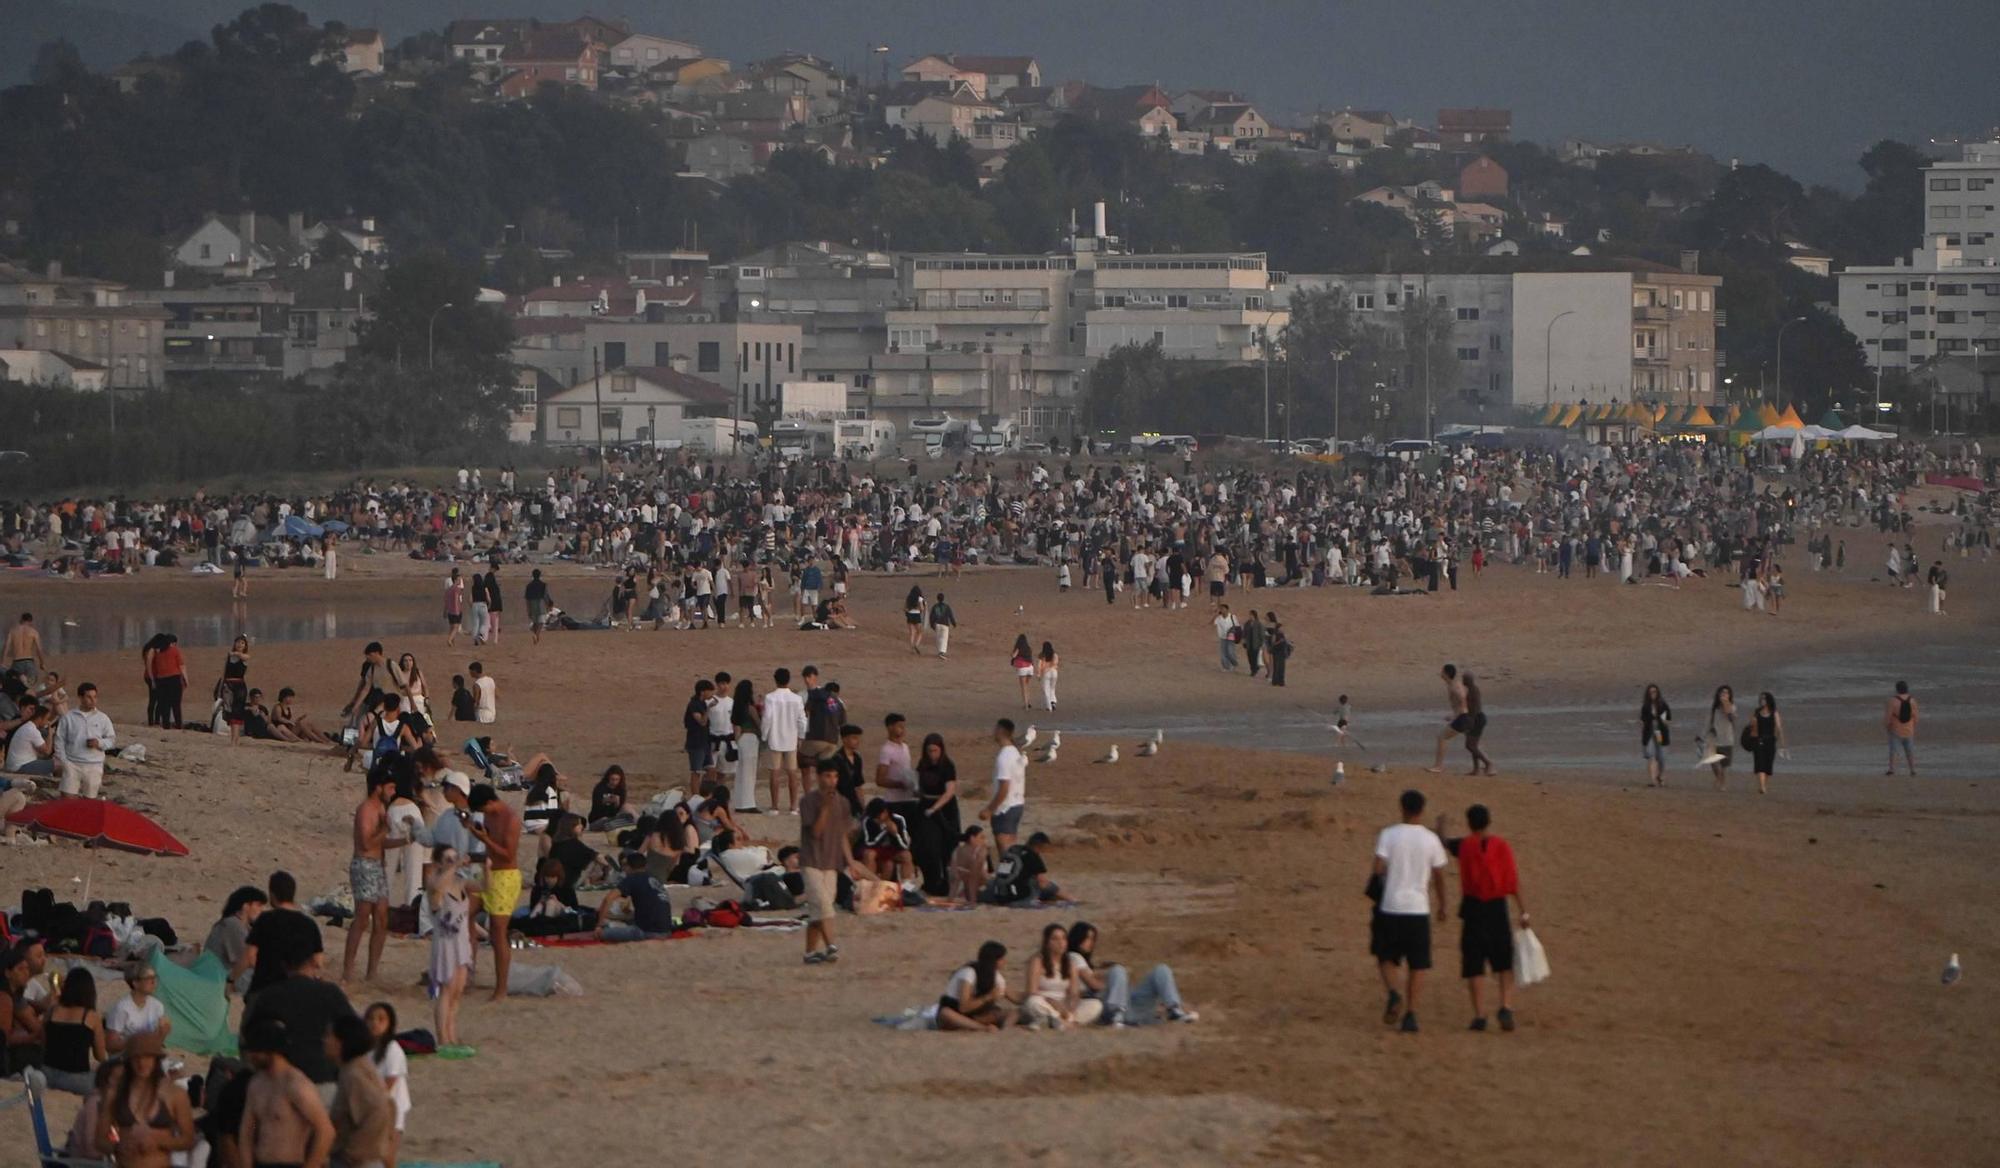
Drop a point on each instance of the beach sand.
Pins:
(1737, 980)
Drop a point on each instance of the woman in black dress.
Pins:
(935, 832)
(1767, 737)
(234, 689)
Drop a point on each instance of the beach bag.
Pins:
(417, 1041)
(1531, 963)
(1748, 739)
(767, 890)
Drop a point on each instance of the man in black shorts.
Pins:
(1486, 878)
(1410, 862)
(1460, 720)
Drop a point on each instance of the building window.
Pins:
(1944, 211)
(1391, 296)
(204, 251)
(791, 357)
(1177, 300)
(1493, 342)
(660, 354)
(1951, 318)
(569, 417)
(1978, 184)
(1944, 184)
(1253, 302)
(1471, 354)
(1893, 345)
(708, 357)
(1468, 314)
(614, 355)
(1365, 301)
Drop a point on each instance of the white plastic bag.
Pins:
(1531, 962)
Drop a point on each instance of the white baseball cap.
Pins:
(458, 782)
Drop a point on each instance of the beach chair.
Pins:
(33, 1088)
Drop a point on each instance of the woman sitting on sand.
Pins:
(1054, 994)
(975, 997)
(1124, 1003)
(285, 717)
(607, 798)
(673, 846)
(548, 795)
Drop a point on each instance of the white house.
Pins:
(47, 367)
(642, 51)
(255, 241)
(635, 403)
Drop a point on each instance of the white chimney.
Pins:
(347, 281)
(167, 278)
(558, 282)
(1098, 220)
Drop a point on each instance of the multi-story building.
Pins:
(1202, 307)
(238, 328)
(1945, 300)
(838, 296)
(1528, 338)
(90, 320)
(748, 359)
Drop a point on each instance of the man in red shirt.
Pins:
(1486, 878)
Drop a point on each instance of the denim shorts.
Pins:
(1654, 750)
(1008, 822)
(700, 757)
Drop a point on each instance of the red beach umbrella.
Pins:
(102, 823)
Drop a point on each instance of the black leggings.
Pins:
(167, 701)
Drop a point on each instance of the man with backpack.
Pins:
(1021, 878)
(1900, 720)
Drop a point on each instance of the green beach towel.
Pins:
(195, 1000)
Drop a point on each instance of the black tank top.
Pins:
(67, 1045)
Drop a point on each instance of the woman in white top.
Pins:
(1054, 995)
(973, 999)
(408, 843)
(1047, 665)
(392, 1064)
(1722, 733)
(408, 680)
(139, 1012)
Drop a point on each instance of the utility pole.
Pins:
(1780, 386)
(1548, 358)
(1339, 355)
(597, 388)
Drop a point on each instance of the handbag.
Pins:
(1748, 739)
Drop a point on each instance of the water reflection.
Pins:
(204, 626)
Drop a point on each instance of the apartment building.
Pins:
(239, 328)
(1528, 338)
(747, 359)
(1200, 307)
(87, 319)
(1945, 300)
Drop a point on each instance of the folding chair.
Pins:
(33, 1087)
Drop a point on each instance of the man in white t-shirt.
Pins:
(1409, 885)
(1010, 788)
(1225, 624)
(138, 1013)
(485, 694)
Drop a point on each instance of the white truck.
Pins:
(723, 436)
(796, 438)
(994, 436)
(864, 438)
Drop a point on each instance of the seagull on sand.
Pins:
(1028, 739)
(1951, 970)
(1151, 746)
(1111, 757)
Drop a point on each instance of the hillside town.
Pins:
(1466, 293)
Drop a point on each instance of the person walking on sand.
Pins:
(1048, 665)
(1722, 734)
(494, 603)
(454, 606)
(1767, 738)
(537, 596)
(480, 604)
(1475, 725)
(1225, 637)
(943, 621)
(1900, 721)
(1458, 721)
(367, 875)
(1937, 579)
(825, 851)
(1486, 878)
(913, 617)
(1023, 662)
(501, 833)
(1655, 715)
(1410, 862)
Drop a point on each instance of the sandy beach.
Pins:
(1737, 980)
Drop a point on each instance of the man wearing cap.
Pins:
(284, 1117)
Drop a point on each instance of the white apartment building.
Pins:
(1198, 307)
(1529, 338)
(1946, 299)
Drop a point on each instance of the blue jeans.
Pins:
(1228, 652)
(616, 934)
(1141, 1004)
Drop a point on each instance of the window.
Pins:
(1975, 212)
(1893, 345)
(1899, 290)
(1952, 345)
(1365, 301)
(1391, 296)
(1978, 184)
(1471, 354)
(1979, 238)
(708, 357)
(1253, 302)
(1953, 240)
(1918, 310)
(1493, 342)
(1177, 300)
(1944, 184)
(1951, 289)
(1678, 301)
(1951, 318)
(1944, 211)
(1873, 287)
(1466, 313)
(1114, 300)
(791, 357)
(611, 420)
(660, 354)
(743, 362)
(614, 355)
(569, 417)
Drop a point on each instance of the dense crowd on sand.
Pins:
(784, 814)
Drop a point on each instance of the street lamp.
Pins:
(1879, 361)
(1338, 355)
(1780, 386)
(1548, 357)
(430, 332)
(1264, 339)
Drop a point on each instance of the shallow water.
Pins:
(1832, 707)
(79, 628)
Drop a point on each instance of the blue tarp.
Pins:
(298, 528)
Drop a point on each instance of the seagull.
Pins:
(1019, 609)
(1150, 746)
(1049, 755)
(1112, 757)
(1055, 739)
(1028, 739)
(1951, 970)
(70, 623)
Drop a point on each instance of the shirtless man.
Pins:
(1458, 723)
(284, 1123)
(23, 651)
(501, 833)
(367, 876)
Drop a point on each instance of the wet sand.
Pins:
(1738, 979)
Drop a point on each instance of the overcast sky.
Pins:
(1803, 86)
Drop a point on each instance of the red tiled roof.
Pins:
(693, 388)
(535, 326)
(1475, 119)
(974, 63)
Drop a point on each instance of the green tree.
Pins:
(1028, 199)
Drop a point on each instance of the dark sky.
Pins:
(1803, 86)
